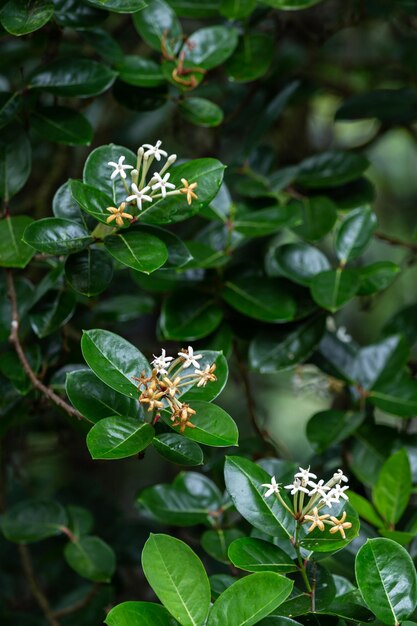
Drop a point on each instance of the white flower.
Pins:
(162, 183)
(328, 499)
(340, 477)
(305, 474)
(295, 487)
(319, 488)
(339, 492)
(155, 150)
(272, 488)
(161, 362)
(139, 195)
(343, 335)
(190, 358)
(119, 168)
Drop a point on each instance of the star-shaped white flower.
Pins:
(272, 488)
(304, 474)
(340, 477)
(190, 358)
(119, 168)
(339, 492)
(139, 195)
(328, 499)
(161, 362)
(162, 183)
(295, 487)
(319, 488)
(155, 150)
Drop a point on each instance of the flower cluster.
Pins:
(140, 190)
(161, 390)
(320, 494)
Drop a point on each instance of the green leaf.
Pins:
(213, 426)
(52, 312)
(319, 215)
(189, 315)
(95, 400)
(125, 308)
(91, 558)
(62, 125)
(372, 445)
(392, 490)
(354, 233)
(330, 169)
(178, 253)
(237, 9)
(114, 360)
(217, 542)
(80, 520)
(20, 17)
(365, 509)
(10, 103)
(178, 449)
(13, 251)
(291, 5)
(392, 106)
(377, 277)
(244, 481)
(300, 262)
(140, 98)
(139, 614)
(103, 42)
(266, 221)
(279, 349)
(141, 251)
(118, 437)
(212, 389)
(266, 591)
(324, 542)
(178, 578)
(210, 46)
(251, 58)
(256, 555)
(77, 14)
(64, 205)
(91, 200)
(119, 6)
(398, 396)
(56, 236)
(33, 520)
(15, 161)
(158, 20)
(89, 272)
(328, 428)
(265, 299)
(380, 362)
(333, 288)
(191, 499)
(387, 580)
(403, 322)
(97, 173)
(140, 72)
(201, 112)
(73, 78)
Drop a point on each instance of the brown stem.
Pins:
(394, 241)
(15, 341)
(77, 606)
(37, 592)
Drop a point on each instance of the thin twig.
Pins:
(15, 341)
(77, 606)
(394, 241)
(37, 592)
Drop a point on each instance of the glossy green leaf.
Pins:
(140, 72)
(103, 42)
(372, 445)
(256, 555)
(52, 312)
(365, 509)
(97, 172)
(244, 481)
(140, 251)
(13, 251)
(119, 6)
(333, 288)
(91, 558)
(62, 125)
(300, 262)
(91, 200)
(281, 349)
(20, 17)
(325, 542)
(397, 396)
(9, 106)
(319, 215)
(77, 14)
(177, 449)
(387, 580)
(376, 277)
(213, 426)
(33, 520)
(330, 169)
(265, 299)
(201, 112)
(354, 233)
(81, 78)
(158, 20)
(178, 253)
(178, 578)
(15, 161)
(189, 315)
(251, 58)
(89, 272)
(380, 362)
(266, 221)
(139, 614)
(217, 542)
(210, 46)
(95, 400)
(237, 9)
(56, 236)
(212, 389)
(392, 490)
(266, 591)
(64, 205)
(114, 360)
(328, 428)
(118, 437)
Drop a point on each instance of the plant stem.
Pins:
(36, 590)
(303, 569)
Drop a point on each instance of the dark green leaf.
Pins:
(324, 542)
(33, 520)
(189, 315)
(330, 169)
(237, 9)
(212, 389)
(333, 288)
(156, 22)
(319, 215)
(403, 322)
(256, 555)
(365, 509)
(56, 236)
(397, 396)
(201, 112)
(97, 173)
(392, 106)
(9, 107)
(266, 221)
(300, 262)
(20, 17)
(178, 253)
(392, 490)
(102, 41)
(213, 426)
(210, 46)
(265, 299)
(217, 542)
(291, 5)
(118, 437)
(178, 449)
(91, 558)
(91, 200)
(140, 72)
(328, 428)
(64, 205)
(52, 312)
(15, 161)
(140, 251)
(89, 272)
(13, 251)
(140, 98)
(62, 125)
(139, 614)
(125, 308)
(81, 78)
(355, 233)
(251, 58)
(380, 362)
(377, 277)
(119, 6)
